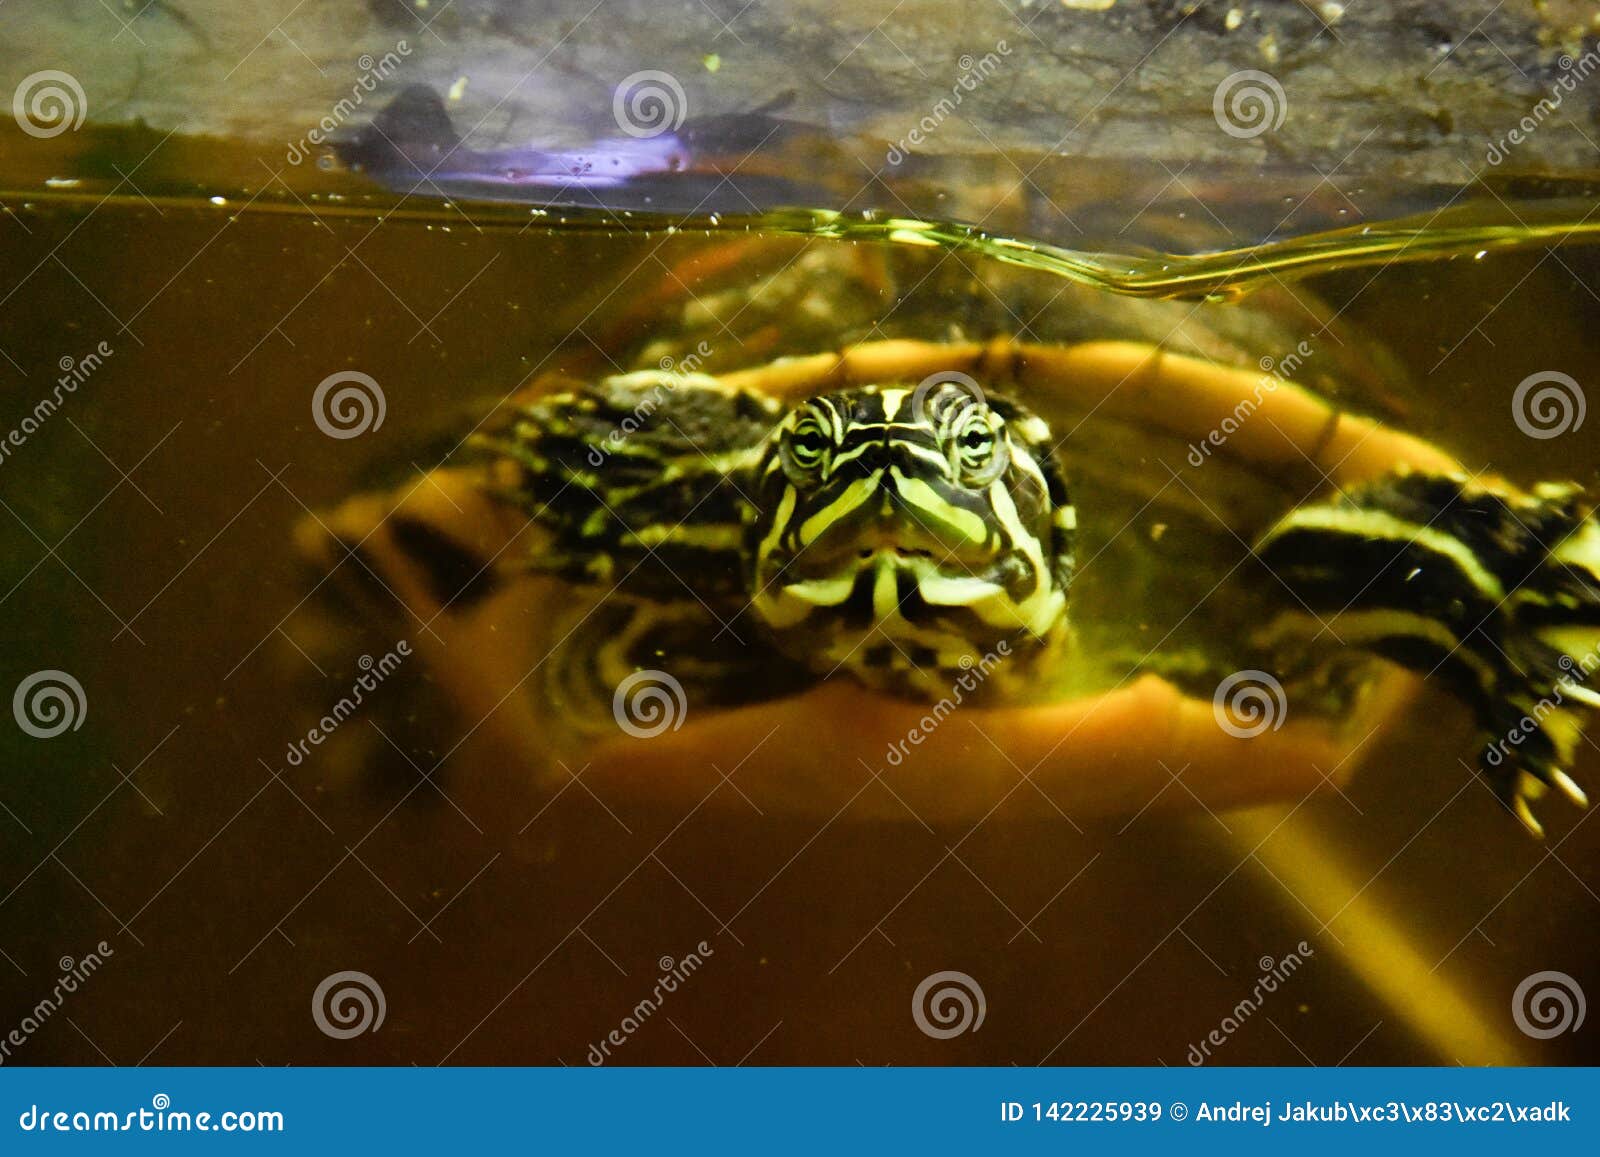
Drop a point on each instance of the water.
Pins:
(435, 842)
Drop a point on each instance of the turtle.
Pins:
(895, 514)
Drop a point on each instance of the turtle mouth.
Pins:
(897, 587)
(899, 551)
(824, 576)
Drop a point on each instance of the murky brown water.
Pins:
(148, 550)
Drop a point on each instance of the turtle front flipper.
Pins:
(638, 480)
(1495, 592)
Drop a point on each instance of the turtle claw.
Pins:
(1528, 780)
(1585, 695)
(1569, 787)
(1520, 808)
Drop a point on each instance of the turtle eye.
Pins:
(804, 450)
(977, 447)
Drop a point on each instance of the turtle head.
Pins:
(898, 531)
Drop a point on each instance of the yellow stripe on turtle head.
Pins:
(923, 498)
